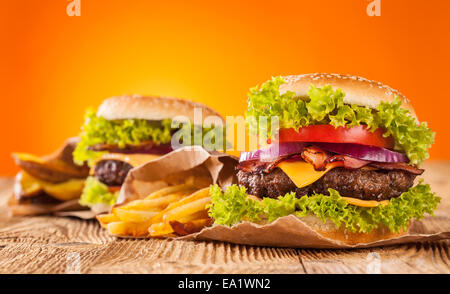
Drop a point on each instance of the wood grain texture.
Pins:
(58, 245)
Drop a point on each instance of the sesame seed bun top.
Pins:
(151, 108)
(359, 91)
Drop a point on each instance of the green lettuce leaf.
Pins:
(233, 206)
(323, 101)
(98, 130)
(212, 138)
(325, 106)
(129, 132)
(95, 192)
(412, 138)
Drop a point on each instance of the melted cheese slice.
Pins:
(304, 174)
(29, 186)
(132, 159)
(365, 203)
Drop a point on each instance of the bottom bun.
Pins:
(331, 231)
(19, 209)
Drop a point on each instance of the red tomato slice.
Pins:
(113, 189)
(330, 134)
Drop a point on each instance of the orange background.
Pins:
(54, 66)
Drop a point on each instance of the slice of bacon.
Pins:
(348, 162)
(340, 160)
(266, 166)
(112, 147)
(145, 147)
(397, 166)
(252, 166)
(316, 156)
(320, 159)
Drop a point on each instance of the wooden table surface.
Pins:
(48, 244)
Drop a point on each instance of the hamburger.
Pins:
(344, 159)
(49, 183)
(127, 131)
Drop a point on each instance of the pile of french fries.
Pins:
(172, 211)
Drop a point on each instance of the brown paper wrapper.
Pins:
(288, 231)
(58, 166)
(175, 167)
(291, 231)
(79, 213)
(18, 209)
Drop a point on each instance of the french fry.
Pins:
(198, 215)
(160, 229)
(135, 216)
(170, 190)
(122, 228)
(105, 219)
(174, 210)
(187, 209)
(195, 196)
(194, 226)
(199, 194)
(202, 222)
(151, 204)
(190, 180)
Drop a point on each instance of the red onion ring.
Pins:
(273, 151)
(364, 152)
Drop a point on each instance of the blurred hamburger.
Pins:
(48, 184)
(344, 159)
(128, 131)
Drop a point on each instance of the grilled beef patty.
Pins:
(112, 172)
(357, 183)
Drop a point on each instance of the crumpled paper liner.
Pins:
(79, 212)
(287, 231)
(176, 166)
(291, 231)
(66, 208)
(56, 167)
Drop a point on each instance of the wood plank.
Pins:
(427, 258)
(57, 245)
(162, 256)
